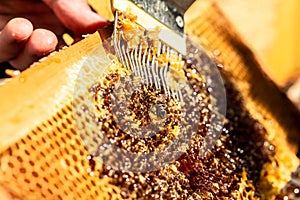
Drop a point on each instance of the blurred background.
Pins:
(272, 29)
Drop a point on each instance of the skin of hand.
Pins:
(29, 28)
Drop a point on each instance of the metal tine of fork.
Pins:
(156, 77)
(133, 62)
(179, 91)
(148, 66)
(163, 79)
(174, 94)
(153, 64)
(163, 74)
(125, 58)
(166, 70)
(168, 53)
(152, 69)
(180, 56)
(166, 50)
(163, 50)
(117, 49)
(143, 64)
(180, 94)
(138, 58)
(119, 52)
(130, 56)
(117, 40)
(133, 65)
(159, 49)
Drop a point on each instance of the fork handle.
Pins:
(181, 5)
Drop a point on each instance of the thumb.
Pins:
(76, 15)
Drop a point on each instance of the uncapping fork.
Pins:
(168, 15)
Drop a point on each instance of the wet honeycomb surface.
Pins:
(241, 147)
(291, 191)
(234, 162)
(52, 163)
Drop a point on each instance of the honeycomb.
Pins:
(53, 162)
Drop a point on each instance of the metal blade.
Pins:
(181, 5)
(169, 12)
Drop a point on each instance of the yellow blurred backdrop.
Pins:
(272, 29)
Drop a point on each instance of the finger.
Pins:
(40, 43)
(13, 37)
(36, 11)
(76, 15)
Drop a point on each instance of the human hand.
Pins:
(29, 28)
